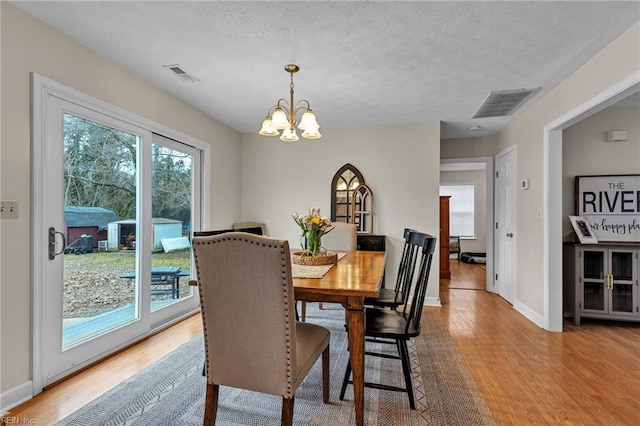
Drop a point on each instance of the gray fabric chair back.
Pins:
(246, 296)
(343, 236)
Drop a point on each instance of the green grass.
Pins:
(125, 259)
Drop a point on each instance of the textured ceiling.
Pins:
(362, 63)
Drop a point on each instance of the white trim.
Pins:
(38, 244)
(14, 397)
(552, 194)
(488, 162)
(432, 301)
(529, 313)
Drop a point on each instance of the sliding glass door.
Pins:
(115, 207)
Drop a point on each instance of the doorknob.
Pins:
(52, 243)
(510, 234)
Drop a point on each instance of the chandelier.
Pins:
(282, 116)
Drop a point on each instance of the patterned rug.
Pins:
(171, 391)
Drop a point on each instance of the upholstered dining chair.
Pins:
(396, 327)
(251, 338)
(343, 236)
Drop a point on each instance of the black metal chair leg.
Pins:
(345, 382)
(406, 370)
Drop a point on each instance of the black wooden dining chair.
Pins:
(398, 326)
(397, 296)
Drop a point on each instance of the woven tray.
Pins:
(326, 258)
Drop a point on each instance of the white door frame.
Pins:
(41, 87)
(552, 195)
(488, 168)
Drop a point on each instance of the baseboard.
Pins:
(528, 313)
(16, 396)
(433, 301)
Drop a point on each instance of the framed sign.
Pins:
(611, 205)
(583, 230)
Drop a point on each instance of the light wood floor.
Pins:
(588, 375)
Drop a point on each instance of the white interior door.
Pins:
(505, 184)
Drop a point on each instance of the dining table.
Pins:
(356, 275)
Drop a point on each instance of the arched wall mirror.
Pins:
(344, 182)
(351, 199)
(362, 208)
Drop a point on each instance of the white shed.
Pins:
(162, 228)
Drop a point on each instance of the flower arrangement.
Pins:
(313, 226)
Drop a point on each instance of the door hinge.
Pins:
(496, 277)
(496, 174)
(496, 225)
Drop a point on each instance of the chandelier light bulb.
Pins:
(308, 120)
(311, 134)
(267, 129)
(289, 135)
(279, 119)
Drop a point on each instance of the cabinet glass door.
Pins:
(623, 280)
(594, 296)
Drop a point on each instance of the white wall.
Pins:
(527, 132)
(585, 151)
(479, 179)
(401, 164)
(29, 46)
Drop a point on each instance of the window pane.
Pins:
(172, 198)
(461, 209)
(99, 192)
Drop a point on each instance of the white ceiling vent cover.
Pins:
(176, 70)
(503, 102)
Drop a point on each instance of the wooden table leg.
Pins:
(355, 324)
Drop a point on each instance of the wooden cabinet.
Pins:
(606, 282)
(371, 242)
(445, 270)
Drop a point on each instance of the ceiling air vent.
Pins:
(502, 103)
(180, 73)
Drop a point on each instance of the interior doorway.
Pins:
(552, 197)
(475, 164)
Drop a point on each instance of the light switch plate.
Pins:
(8, 209)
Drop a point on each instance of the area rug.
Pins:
(171, 391)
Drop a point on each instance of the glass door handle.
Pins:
(52, 243)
